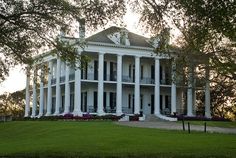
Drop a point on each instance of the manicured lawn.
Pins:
(105, 139)
(214, 123)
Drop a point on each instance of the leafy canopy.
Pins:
(27, 26)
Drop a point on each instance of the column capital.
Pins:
(157, 58)
(101, 53)
(137, 56)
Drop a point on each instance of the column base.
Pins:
(207, 115)
(173, 112)
(48, 114)
(40, 115)
(33, 116)
(157, 113)
(101, 113)
(190, 114)
(77, 113)
(26, 115)
(56, 113)
(119, 113)
(66, 112)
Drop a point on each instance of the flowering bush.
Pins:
(200, 118)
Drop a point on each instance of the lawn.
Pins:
(214, 123)
(105, 139)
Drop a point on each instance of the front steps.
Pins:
(155, 118)
(152, 118)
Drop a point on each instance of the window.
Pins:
(129, 100)
(105, 71)
(141, 101)
(152, 72)
(141, 72)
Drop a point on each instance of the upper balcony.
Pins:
(125, 79)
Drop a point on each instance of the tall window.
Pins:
(141, 101)
(112, 100)
(141, 72)
(95, 100)
(129, 100)
(105, 71)
(152, 72)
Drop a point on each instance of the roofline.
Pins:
(120, 46)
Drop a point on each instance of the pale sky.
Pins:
(17, 79)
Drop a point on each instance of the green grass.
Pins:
(105, 139)
(214, 123)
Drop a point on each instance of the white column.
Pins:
(119, 86)
(157, 87)
(27, 93)
(41, 101)
(207, 95)
(190, 94)
(49, 95)
(58, 88)
(77, 92)
(173, 88)
(137, 86)
(34, 94)
(100, 110)
(67, 90)
(194, 101)
(107, 99)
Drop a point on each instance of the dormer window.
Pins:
(120, 38)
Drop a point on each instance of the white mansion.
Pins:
(123, 76)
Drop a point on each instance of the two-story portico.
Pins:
(123, 76)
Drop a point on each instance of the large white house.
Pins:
(123, 76)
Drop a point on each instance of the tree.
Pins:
(28, 26)
(12, 104)
(207, 31)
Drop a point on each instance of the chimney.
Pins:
(81, 28)
(166, 35)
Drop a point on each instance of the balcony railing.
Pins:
(62, 79)
(53, 81)
(147, 80)
(91, 76)
(127, 79)
(110, 78)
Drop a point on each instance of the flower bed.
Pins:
(200, 118)
(85, 117)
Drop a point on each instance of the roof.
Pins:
(134, 39)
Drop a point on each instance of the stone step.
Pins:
(153, 118)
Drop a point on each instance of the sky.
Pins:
(17, 78)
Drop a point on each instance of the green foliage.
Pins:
(223, 98)
(104, 139)
(207, 40)
(12, 104)
(28, 27)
